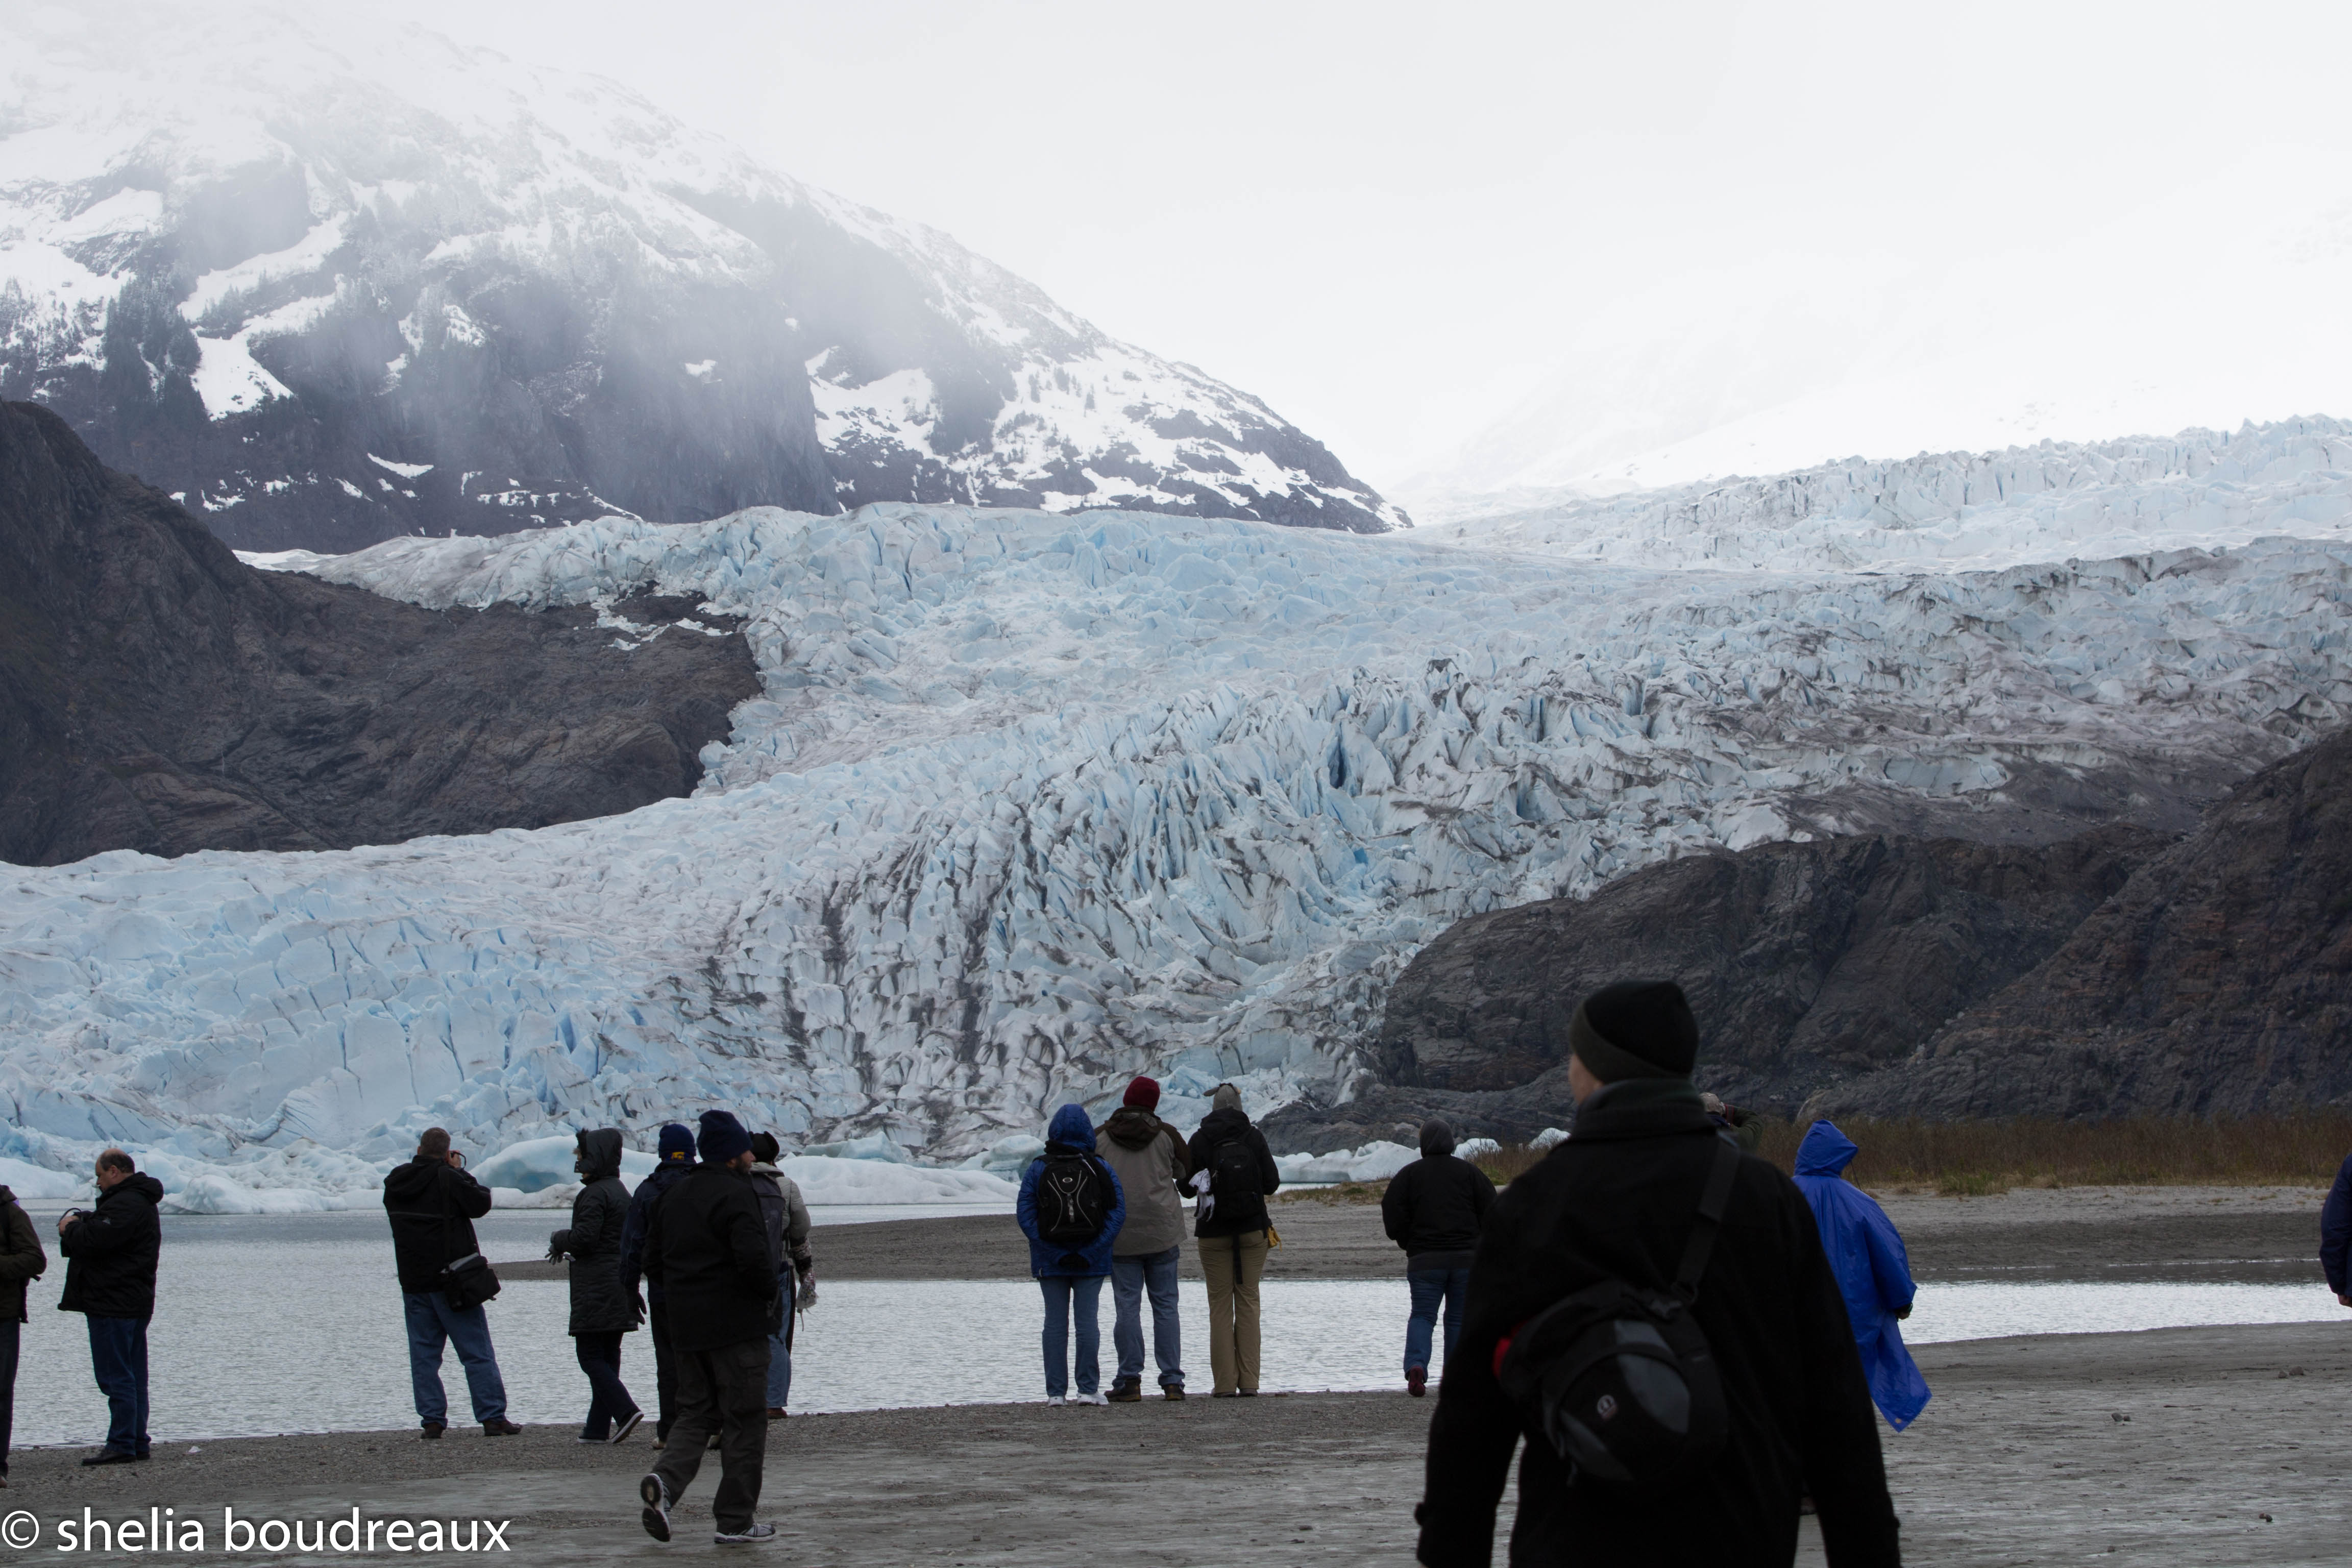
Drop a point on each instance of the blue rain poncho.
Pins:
(1873, 1273)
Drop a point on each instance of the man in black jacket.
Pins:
(707, 1249)
(22, 1261)
(434, 1203)
(675, 1163)
(1432, 1209)
(111, 1254)
(1233, 1172)
(1619, 1200)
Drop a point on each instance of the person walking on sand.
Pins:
(2335, 1235)
(110, 1254)
(787, 1216)
(602, 1311)
(1648, 1217)
(706, 1248)
(675, 1158)
(22, 1261)
(1873, 1274)
(1234, 1173)
(1432, 1209)
(1072, 1208)
(1147, 1155)
(433, 1202)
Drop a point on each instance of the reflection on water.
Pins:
(293, 1324)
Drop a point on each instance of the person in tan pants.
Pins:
(1233, 1173)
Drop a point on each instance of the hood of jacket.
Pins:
(1072, 1129)
(6, 1197)
(139, 1184)
(1132, 1127)
(1218, 1125)
(1826, 1152)
(599, 1155)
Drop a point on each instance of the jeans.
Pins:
(118, 1355)
(1430, 1286)
(1130, 1279)
(9, 1342)
(1060, 1290)
(608, 1398)
(720, 1391)
(433, 1322)
(780, 1347)
(1231, 1266)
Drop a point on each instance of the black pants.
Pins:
(723, 1391)
(608, 1398)
(9, 1342)
(664, 1367)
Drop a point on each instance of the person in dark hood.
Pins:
(432, 1203)
(1071, 1209)
(22, 1261)
(602, 1312)
(675, 1158)
(706, 1248)
(1619, 1200)
(110, 1254)
(1233, 1172)
(1147, 1155)
(786, 1213)
(1872, 1271)
(1432, 1209)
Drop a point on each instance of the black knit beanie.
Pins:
(1635, 1029)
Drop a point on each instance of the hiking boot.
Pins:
(1171, 1391)
(656, 1499)
(499, 1428)
(432, 1429)
(749, 1535)
(111, 1456)
(1248, 1392)
(1416, 1380)
(775, 1412)
(1126, 1391)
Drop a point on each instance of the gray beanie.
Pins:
(1226, 1097)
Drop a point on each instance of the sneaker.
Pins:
(599, 1442)
(1055, 1399)
(500, 1428)
(1416, 1380)
(628, 1425)
(751, 1535)
(656, 1499)
(111, 1456)
(1171, 1391)
(1126, 1391)
(1096, 1398)
(432, 1429)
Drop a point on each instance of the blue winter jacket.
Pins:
(1069, 1129)
(1873, 1273)
(2336, 1232)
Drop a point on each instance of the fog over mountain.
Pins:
(332, 294)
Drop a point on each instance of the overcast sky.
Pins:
(1596, 229)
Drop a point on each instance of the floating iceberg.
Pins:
(1373, 1163)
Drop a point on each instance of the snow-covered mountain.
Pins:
(1029, 802)
(335, 293)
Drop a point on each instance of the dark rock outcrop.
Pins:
(2217, 981)
(158, 694)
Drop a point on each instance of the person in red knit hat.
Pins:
(1148, 1156)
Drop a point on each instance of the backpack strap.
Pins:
(1711, 1204)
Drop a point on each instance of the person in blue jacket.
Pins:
(1873, 1273)
(1071, 1187)
(2336, 1236)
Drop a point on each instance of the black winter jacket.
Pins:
(111, 1252)
(22, 1260)
(1618, 1199)
(1434, 1208)
(664, 1176)
(599, 1304)
(432, 1206)
(1230, 1215)
(706, 1248)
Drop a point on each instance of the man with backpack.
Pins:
(1071, 1209)
(1657, 1305)
(1233, 1172)
(1432, 1209)
(1147, 1155)
(787, 1214)
(432, 1203)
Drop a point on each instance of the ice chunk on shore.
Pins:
(824, 1180)
(1547, 1138)
(28, 1181)
(1373, 1163)
(538, 1164)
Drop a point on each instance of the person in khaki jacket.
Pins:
(1148, 1156)
(1234, 1173)
(22, 1261)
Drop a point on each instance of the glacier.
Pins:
(1029, 802)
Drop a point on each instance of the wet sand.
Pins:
(2021, 1458)
(2186, 1235)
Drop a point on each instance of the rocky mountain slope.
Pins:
(158, 694)
(333, 296)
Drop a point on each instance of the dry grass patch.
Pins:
(1976, 1159)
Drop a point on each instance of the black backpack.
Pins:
(1233, 1169)
(1072, 1200)
(1619, 1379)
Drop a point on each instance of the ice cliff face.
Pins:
(1029, 803)
(330, 297)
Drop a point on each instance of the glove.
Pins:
(555, 1249)
(808, 1291)
(637, 1306)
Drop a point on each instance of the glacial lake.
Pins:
(293, 1324)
